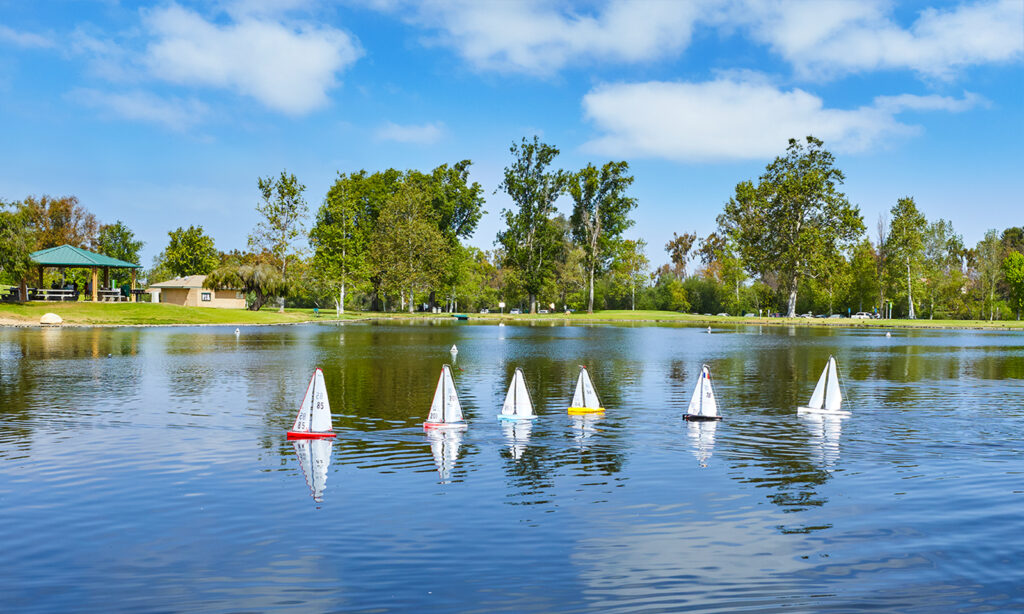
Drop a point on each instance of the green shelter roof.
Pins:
(66, 255)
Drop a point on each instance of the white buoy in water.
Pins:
(709, 330)
(454, 349)
(888, 334)
(237, 332)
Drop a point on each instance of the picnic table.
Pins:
(52, 294)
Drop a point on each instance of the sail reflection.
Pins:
(584, 426)
(445, 445)
(517, 432)
(702, 438)
(314, 458)
(825, 430)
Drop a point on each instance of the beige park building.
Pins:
(189, 291)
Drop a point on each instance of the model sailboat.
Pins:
(584, 400)
(826, 398)
(702, 404)
(314, 459)
(518, 405)
(445, 411)
(314, 418)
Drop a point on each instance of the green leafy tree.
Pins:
(679, 251)
(723, 265)
(530, 240)
(260, 282)
(283, 210)
(943, 252)
(1013, 239)
(794, 219)
(118, 241)
(340, 236)
(863, 286)
(1013, 273)
(190, 252)
(16, 243)
(905, 248)
(408, 251)
(631, 265)
(989, 261)
(600, 215)
(60, 221)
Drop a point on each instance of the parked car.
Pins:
(821, 316)
(514, 312)
(485, 310)
(861, 315)
(749, 315)
(723, 315)
(542, 311)
(806, 315)
(835, 315)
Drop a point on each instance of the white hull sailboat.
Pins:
(314, 459)
(445, 411)
(517, 405)
(826, 398)
(703, 406)
(584, 399)
(314, 418)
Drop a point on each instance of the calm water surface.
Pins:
(147, 470)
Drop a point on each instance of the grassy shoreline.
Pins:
(153, 314)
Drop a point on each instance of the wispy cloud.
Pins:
(733, 118)
(287, 68)
(174, 113)
(419, 134)
(27, 40)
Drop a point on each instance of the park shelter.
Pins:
(69, 257)
(189, 291)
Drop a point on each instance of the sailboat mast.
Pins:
(444, 395)
(700, 406)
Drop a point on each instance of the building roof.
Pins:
(66, 255)
(192, 281)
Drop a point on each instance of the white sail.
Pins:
(833, 397)
(517, 432)
(304, 418)
(818, 396)
(321, 407)
(445, 407)
(517, 401)
(444, 446)
(314, 459)
(703, 403)
(585, 395)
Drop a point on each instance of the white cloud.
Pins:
(826, 38)
(422, 134)
(175, 113)
(731, 118)
(286, 68)
(539, 37)
(27, 40)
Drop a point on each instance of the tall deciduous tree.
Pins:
(1013, 273)
(679, 251)
(283, 210)
(905, 247)
(863, 287)
(408, 250)
(795, 218)
(631, 263)
(60, 221)
(190, 252)
(16, 243)
(530, 239)
(340, 236)
(989, 261)
(118, 241)
(943, 255)
(600, 215)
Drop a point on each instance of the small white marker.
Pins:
(454, 349)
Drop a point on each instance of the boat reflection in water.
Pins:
(584, 426)
(444, 445)
(825, 430)
(702, 438)
(314, 458)
(517, 433)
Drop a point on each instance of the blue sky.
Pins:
(164, 114)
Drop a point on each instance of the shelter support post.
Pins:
(106, 278)
(132, 299)
(95, 279)
(40, 277)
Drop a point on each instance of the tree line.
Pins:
(788, 242)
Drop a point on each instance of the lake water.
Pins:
(147, 470)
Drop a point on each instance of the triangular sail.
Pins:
(304, 418)
(314, 459)
(445, 407)
(833, 397)
(818, 396)
(517, 400)
(321, 407)
(585, 394)
(703, 403)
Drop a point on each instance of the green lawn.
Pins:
(125, 314)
